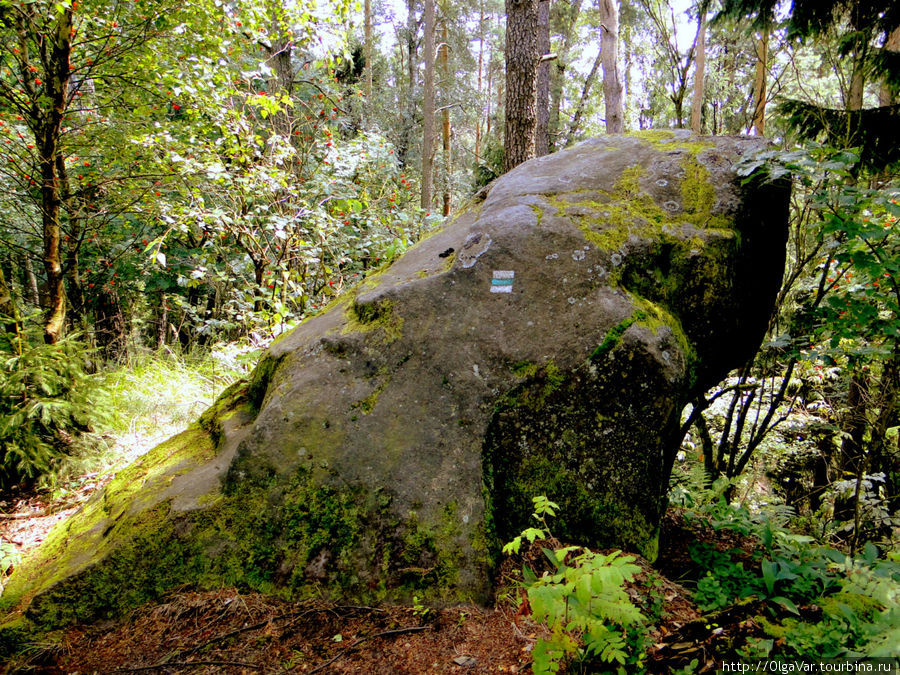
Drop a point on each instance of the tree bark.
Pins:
(626, 33)
(852, 458)
(885, 96)
(10, 320)
(699, 74)
(557, 74)
(542, 128)
(521, 81)
(47, 137)
(574, 127)
(33, 291)
(612, 79)
(406, 136)
(162, 321)
(428, 110)
(367, 20)
(445, 122)
(759, 84)
(480, 84)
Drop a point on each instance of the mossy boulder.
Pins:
(544, 342)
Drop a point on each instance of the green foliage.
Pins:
(543, 508)
(9, 557)
(828, 604)
(583, 604)
(155, 395)
(45, 400)
(725, 581)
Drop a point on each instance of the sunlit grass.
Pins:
(149, 399)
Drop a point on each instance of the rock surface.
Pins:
(544, 342)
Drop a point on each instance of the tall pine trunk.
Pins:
(480, 120)
(428, 110)
(445, 122)
(47, 139)
(521, 81)
(367, 8)
(612, 79)
(699, 75)
(542, 128)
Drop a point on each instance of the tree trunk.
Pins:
(857, 88)
(759, 84)
(480, 69)
(612, 79)
(74, 286)
(882, 457)
(445, 122)
(489, 95)
(33, 291)
(574, 127)
(557, 75)
(852, 456)
(541, 132)
(409, 117)
(162, 321)
(428, 109)
(47, 137)
(885, 96)
(699, 75)
(367, 20)
(521, 81)
(627, 49)
(10, 321)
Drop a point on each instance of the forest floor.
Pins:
(225, 631)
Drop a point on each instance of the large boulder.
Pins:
(544, 342)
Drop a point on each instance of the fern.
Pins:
(583, 603)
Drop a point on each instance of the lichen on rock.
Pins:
(544, 342)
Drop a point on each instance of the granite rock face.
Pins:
(544, 342)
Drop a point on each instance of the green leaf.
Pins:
(551, 556)
(787, 603)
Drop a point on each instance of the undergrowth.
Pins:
(592, 623)
(807, 600)
(46, 403)
(57, 422)
(818, 601)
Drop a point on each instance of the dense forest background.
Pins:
(182, 182)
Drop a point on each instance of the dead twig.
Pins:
(356, 643)
(190, 664)
(187, 652)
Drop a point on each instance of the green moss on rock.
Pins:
(609, 218)
(614, 335)
(87, 544)
(292, 539)
(367, 317)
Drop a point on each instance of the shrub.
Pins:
(45, 402)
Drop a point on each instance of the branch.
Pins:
(399, 631)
